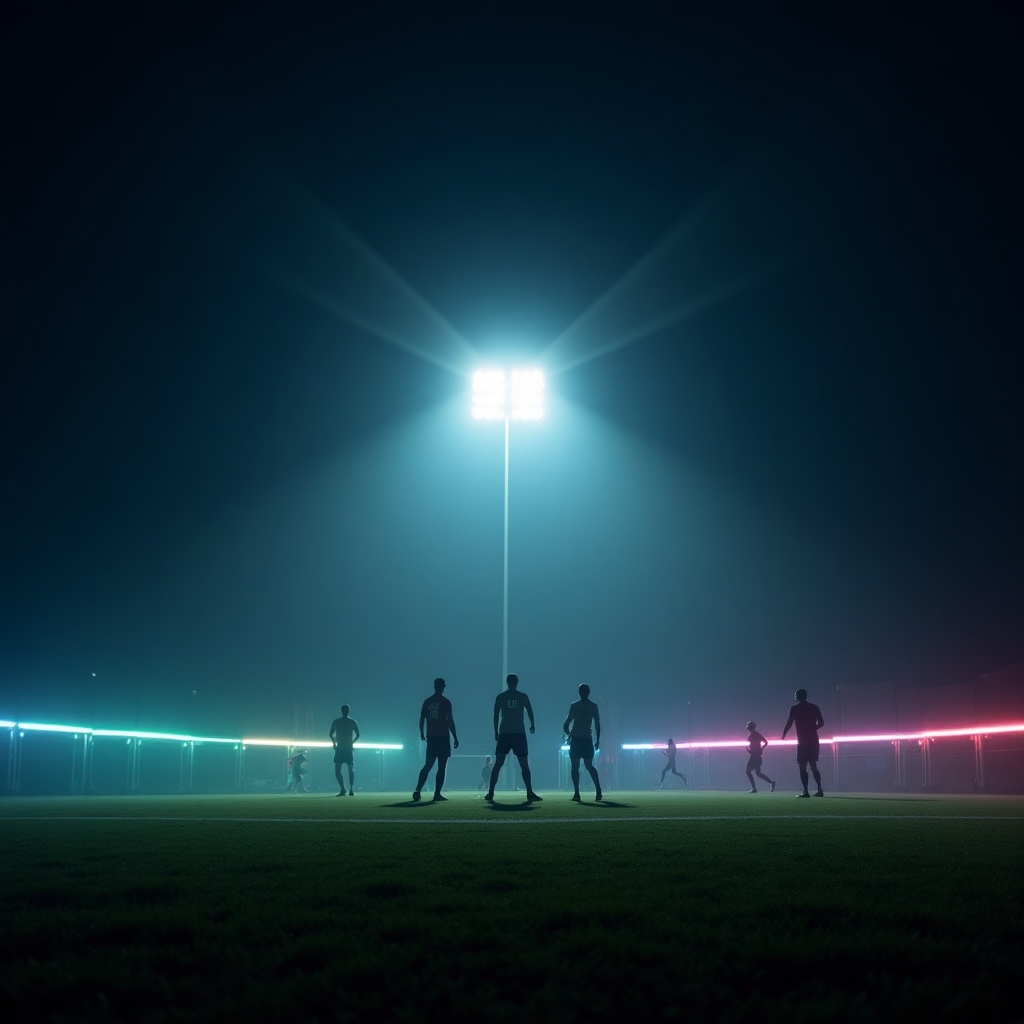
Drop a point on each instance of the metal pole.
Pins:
(504, 608)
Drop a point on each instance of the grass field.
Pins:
(698, 906)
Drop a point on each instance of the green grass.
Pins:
(726, 907)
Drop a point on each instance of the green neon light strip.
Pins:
(184, 738)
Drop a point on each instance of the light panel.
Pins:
(498, 396)
(527, 397)
(489, 395)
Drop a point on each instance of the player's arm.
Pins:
(451, 729)
(423, 718)
(497, 713)
(333, 734)
(819, 720)
(568, 719)
(356, 736)
(597, 728)
(789, 725)
(529, 711)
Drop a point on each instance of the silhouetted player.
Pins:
(670, 753)
(510, 734)
(344, 733)
(296, 770)
(807, 719)
(582, 714)
(436, 713)
(485, 773)
(755, 747)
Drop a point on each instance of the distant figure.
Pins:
(670, 753)
(510, 734)
(582, 714)
(344, 733)
(485, 773)
(436, 714)
(807, 719)
(755, 747)
(296, 769)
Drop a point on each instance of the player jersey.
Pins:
(510, 705)
(583, 714)
(808, 719)
(437, 710)
(756, 743)
(343, 731)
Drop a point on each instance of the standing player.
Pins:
(436, 714)
(583, 713)
(510, 734)
(807, 719)
(670, 753)
(344, 733)
(485, 773)
(755, 748)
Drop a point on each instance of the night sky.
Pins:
(770, 262)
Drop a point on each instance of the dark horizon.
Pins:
(768, 259)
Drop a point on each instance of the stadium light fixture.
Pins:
(498, 395)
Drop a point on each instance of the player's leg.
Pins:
(338, 765)
(499, 761)
(817, 778)
(424, 772)
(574, 774)
(524, 767)
(442, 770)
(351, 779)
(588, 763)
(803, 778)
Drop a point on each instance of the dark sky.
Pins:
(770, 261)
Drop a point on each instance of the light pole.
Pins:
(498, 395)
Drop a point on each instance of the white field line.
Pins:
(517, 820)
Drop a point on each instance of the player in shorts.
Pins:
(670, 765)
(755, 748)
(582, 714)
(510, 734)
(808, 720)
(437, 719)
(344, 733)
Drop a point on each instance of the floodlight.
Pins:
(527, 395)
(496, 396)
(489, 395)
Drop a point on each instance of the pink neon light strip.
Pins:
(931, 734)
